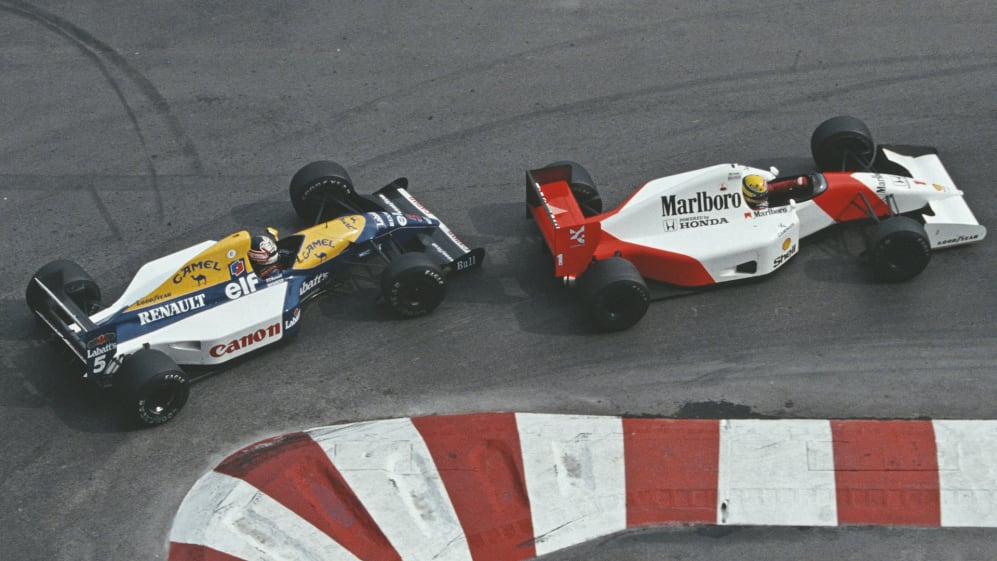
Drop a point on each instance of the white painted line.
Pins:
(390, 470)
(766, 476)
(967, 472)
(575, 476)
(229, 515)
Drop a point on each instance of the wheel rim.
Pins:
(621, 306)
(416, 297)
(617, 306)
(161, 400)
(412, 297)
(854, 150)
(588, 200)
(902, 256)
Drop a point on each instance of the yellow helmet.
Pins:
(755, 189)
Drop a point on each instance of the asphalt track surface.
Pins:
(132, 129)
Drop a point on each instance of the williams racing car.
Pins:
(699, 228)
(210, 303)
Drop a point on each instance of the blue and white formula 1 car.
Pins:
(205, 304)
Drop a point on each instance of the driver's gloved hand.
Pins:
(285, 258)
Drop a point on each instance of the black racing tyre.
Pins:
(153, 389)
(69, 278)
(317, 187)
(413, 285)
(614, 294)
(899, 250)
(583, 188)
(843, 144)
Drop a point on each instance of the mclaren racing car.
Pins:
(696, 229)
(207, 304)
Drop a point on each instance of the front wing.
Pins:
(442, 245)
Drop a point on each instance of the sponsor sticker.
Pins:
(308, 285)
(390, 204)
(295, 316)
(350, 222)
(577, 235)
(244, 342)
(177, 308)
(466, 262)
(692, 222)
(99, 349)
(702, 202)
(195, 270)
(442, 251)
(880, 184)
(102, 339)
(959, 239)
(316, 247)
(152, 299)
(789, 249)
(766, 212)
(242, 286)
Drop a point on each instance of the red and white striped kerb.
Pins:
(512, 486)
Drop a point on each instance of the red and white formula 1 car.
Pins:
(695, 229)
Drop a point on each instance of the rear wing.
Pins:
(92, 345)
(442, 244)
(62, 316)
(571, 237)
(950, 222)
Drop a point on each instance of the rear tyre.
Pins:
(152, 388)
(413, 285)
(319, 188)
(899, 250)
(843, 144)
(69, 278)
(614, 294)
(583, 188)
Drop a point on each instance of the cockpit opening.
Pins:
(798, 188)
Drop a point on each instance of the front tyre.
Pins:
(843, 144)
(899, 249)
(318, 190)
(413, 285)
(583, 188)
(614, 294)
(152, 387)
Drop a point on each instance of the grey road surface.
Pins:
(132, 129)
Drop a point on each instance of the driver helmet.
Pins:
(755, 189)
(263, 250)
